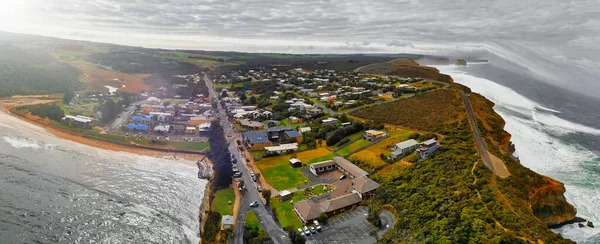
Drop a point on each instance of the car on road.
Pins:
(306, 231)
(254, 204)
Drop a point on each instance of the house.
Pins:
(373, 135)
(252, 125)
(322, 167)
(404, 148)
(364, 186)
(179, 129)
(227, 221)
(309, 210)
(190, 130)
(153, 100)
(345, 124)
(338, 163)
(256, 140)
(295, 162)
(428, 147)
(295, 120)
(204, 129)
(285, 195)
(272, 123)
(162, 129)
(281, 149)
(329, 121)
(275, 133)
(78, 121)
(304, 129)
(138, 127)
(197, 120)
(295, 135)
(161, 117)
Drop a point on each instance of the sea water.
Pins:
(546, 142)
(58, 191)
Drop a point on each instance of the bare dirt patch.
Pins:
(96, 79)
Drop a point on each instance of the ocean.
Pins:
(555, 132)
(58, 191)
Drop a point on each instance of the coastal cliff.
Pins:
(453, 196)
(549, 204)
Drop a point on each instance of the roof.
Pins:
(137, 118)
(406, 144)
(304, 129)
(179, 127)
(323, 164)
(284, 193)
(137, 127)
(374, 132)
(295, 161)
(429, 142)
(256, 136)
(289, 146)
(293, 133)
(350, 167)
(364, 184)
(162, 128)
(279, 128)
(308, 209)
(340, 202)
(227, 220)
(249, 123)
(80, 118)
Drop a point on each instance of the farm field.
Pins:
(96, 80)
(281, 175)
(369, 157)
(222, 199)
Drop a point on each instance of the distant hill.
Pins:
(33, 71)
(405, 67)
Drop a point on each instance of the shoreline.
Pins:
(190, 159)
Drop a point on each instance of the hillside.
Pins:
(452, 197)
(405, 67)
(33, 71)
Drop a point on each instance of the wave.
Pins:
(21, 142)
(536, 133)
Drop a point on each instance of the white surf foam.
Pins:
(21, 142)
(538, 148)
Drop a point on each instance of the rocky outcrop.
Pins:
(590, 224)
(205, 170)
(461, 62)
(550, 205)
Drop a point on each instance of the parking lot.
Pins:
(352, 227)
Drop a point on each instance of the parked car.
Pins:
(342, 177)
(252, 174)
(306, 231)
(313, 230)
(259, 188)
(317, 225)
(254, 178)
(237, 174)
(254, 204)
(300, 231)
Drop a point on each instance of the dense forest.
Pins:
(49, 111)
(33, 71)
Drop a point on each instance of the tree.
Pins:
(69, 95)
(126, 99)
(224, 94)
(166, 103)
(243, 96)
(323, 218)
(267, 195)
(252, 100)
(295, 237)
(109, 111)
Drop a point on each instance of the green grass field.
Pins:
(194, 146)
(221, 201)
(321, 159)
(286, 122)
(345, 151)
(285, 211)
(252, 220)
(282, 176)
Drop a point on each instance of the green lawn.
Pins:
(70, 128)
(283, 176)
(221, 201)
(196, 146)
(286, 122)
(285, 211)
(111, 137)
(345, 151)
(252, 220)
(321, 159)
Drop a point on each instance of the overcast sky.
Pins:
(545, 35)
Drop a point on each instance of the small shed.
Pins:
(295, 162)
(285, 195)
(227, 221)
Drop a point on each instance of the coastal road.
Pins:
(264, 214)
(481, 147)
